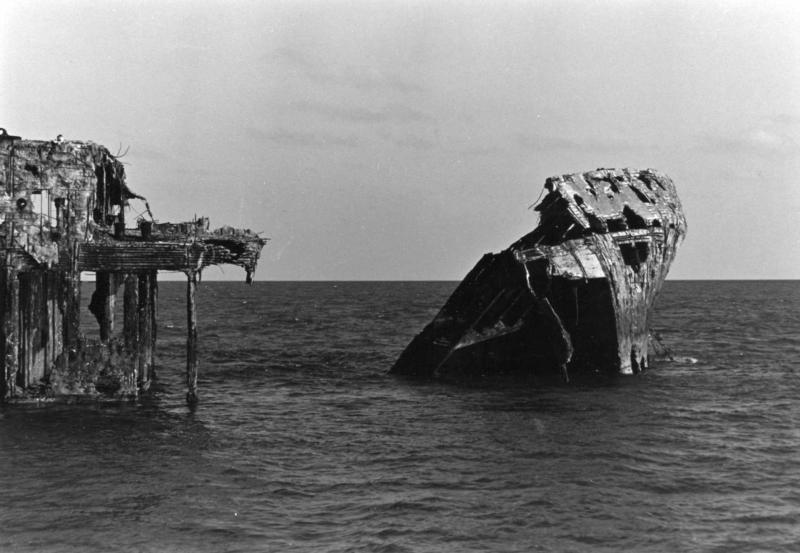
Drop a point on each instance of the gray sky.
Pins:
(402, 140)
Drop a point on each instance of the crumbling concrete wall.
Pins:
(62, 211)
(48, 191)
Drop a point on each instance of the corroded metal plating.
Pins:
(573, 296)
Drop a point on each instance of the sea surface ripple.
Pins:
(302, 442)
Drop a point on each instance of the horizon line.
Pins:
(769, 279)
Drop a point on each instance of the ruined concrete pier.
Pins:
(63, 211)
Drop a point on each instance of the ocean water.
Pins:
(302, 442)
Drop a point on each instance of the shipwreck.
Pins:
(63, 207)
(573, 297)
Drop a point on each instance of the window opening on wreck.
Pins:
(60, 204)
(633, 219)
(41, 205)
(561, 227)
(616, 225)
(102, 212)
(643, 251)
(629, 255)
(100, 207)
(634, 254)
(109, 194)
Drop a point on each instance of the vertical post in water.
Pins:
(106, 289)
(131, 314)
(57, 318)
(25, 340)
(11, 331)
(191, 340)
(72, 304)
(145, 349)
(153, 321)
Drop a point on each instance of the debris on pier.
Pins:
(62, 212)
(575, 296)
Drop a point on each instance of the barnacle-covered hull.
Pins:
(575, 296)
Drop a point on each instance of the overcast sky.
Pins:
(402, 140)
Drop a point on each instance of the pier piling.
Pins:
(191, 340)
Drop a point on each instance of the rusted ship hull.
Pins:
(573, 297)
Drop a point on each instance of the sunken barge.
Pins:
(572, 298)
(63, 207)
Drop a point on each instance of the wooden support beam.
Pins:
(191, 340)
